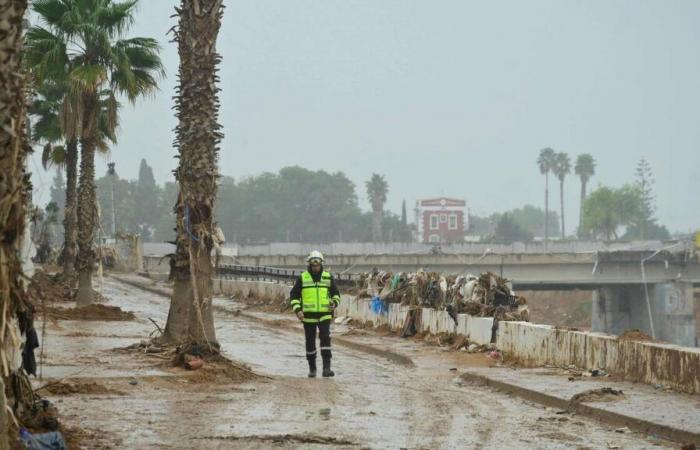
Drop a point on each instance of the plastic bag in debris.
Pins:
(44, 441)
(378, 306)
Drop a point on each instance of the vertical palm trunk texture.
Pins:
(87, 202)
(561, 199)
(70, 219)
(546, 210)
(198, 135)
(14, 182)
(580, 212)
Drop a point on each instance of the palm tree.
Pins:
(46, 107)
(198, 135)
(377, 188)
(561, 168)
(546, 161)
(585, 169)
(13, 184)
(84, 39)
(53, 126)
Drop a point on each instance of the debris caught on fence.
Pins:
(487, 295)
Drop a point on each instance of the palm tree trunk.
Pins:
(70, 218)
(561, 199)
(13, 187)
(190, 318)
(546, 210)
(580, 212)
(376, 225)
(87, 204)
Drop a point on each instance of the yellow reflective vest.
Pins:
(315, 299)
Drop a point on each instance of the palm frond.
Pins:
(53, 12)
(116, 18)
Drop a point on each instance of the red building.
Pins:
(441, 220)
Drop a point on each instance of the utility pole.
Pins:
(113, 174)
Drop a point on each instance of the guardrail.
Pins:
(261, 273)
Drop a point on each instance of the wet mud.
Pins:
(373, 402)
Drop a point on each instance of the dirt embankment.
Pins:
(95, 311)
(47, 292)
(571, 309)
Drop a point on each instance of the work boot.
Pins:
(312, 369)
(327, 372)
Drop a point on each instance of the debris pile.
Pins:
(94, 311)
(487, 295)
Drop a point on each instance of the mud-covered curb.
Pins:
(601, 415)
(394, 357)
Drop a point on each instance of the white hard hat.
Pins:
(315, 255)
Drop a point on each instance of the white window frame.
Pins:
(434, 238)
(443, 218)
(452, 218)
(434, 225)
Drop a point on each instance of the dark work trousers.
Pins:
(324, 331)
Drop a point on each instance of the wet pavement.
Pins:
(372, 402)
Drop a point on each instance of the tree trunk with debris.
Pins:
(14, 182)
(87, 204)
(190, 318)
(70, 219)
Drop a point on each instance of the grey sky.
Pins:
(446, 97)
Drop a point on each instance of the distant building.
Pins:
(441, 220)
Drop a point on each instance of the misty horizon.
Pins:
(452, 99)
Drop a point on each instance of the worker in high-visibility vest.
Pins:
(314, 297)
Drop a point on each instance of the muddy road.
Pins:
(371, 403)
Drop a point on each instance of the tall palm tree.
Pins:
(585, 169)
(47, 128)
(84, 38)
(51, 127)
(561, 168)
(198, 135)
(545, 162)
(13, 184)
(377, 188)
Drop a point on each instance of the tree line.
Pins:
(607, 210)
(294, 204)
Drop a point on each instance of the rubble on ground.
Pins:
(487, 295)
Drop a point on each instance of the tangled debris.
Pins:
(79, 387)
(488, 295)
(605, 394)
(202, 365)
(635, 335)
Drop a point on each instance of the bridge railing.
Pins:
(262, 273)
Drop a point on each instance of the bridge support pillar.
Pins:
(624, 307)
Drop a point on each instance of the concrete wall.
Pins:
(647, 362)
(245, 288)
(624, 307)
(531, 344)
(477, 329)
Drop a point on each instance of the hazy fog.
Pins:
(445, 97)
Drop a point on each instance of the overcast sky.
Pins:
(450, 98)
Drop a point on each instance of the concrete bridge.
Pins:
(648, 285)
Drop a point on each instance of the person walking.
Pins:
(314, 297)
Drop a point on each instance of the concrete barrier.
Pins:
(259, 289)
(477, 329)
(531, 344)
(639, 361)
